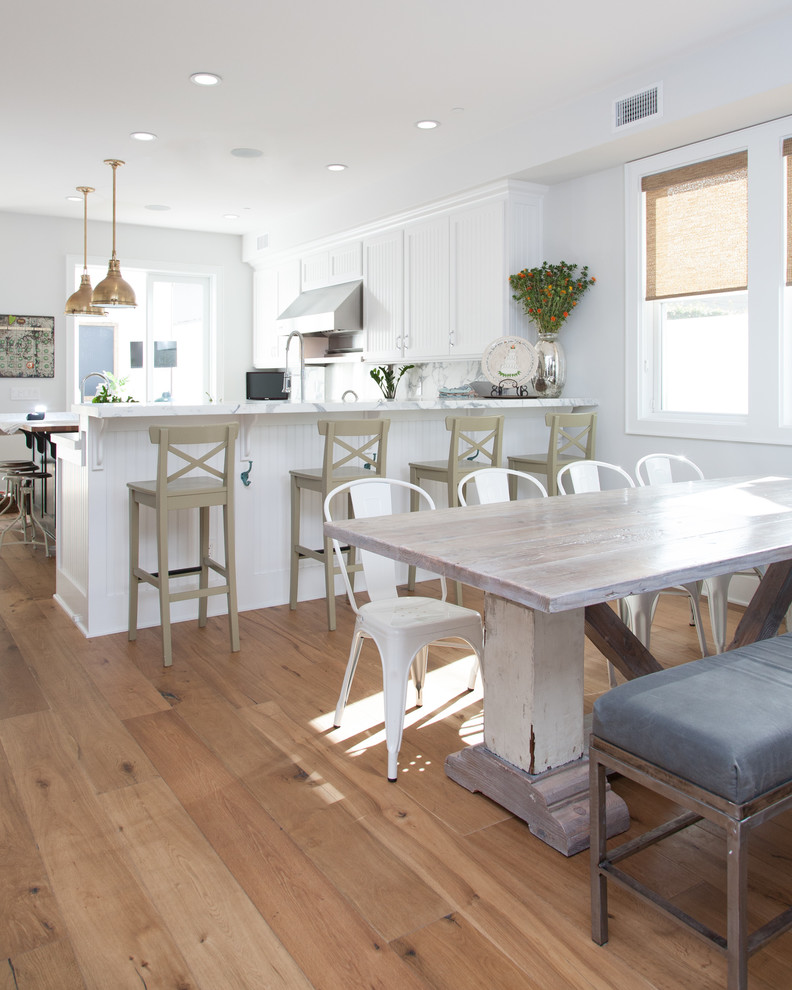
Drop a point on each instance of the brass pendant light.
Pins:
(113, 290)
(79, 302)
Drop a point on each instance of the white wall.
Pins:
(33, 252)
(584, 223)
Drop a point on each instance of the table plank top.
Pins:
(564, 552)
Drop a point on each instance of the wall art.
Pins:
(27, 346)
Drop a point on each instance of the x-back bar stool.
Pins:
(476, 442)
(354, 448)
(186, 480)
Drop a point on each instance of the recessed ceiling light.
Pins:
(205, 78)
(230, 216)
(74, 199)
(157, 207)
(336, 167)
(427, 125)
(246, 153)
(143, 136)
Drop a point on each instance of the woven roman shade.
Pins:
(697, 228)
(787, 149)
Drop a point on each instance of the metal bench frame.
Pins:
(737, 820)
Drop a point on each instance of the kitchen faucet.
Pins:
(92, 374)
(287, 377)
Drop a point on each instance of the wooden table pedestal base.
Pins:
(554, 804)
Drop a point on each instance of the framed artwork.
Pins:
(27, 346)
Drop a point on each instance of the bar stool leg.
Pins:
(414, 506)
(203, 550)
(134, 560)
(163, 583)
(329, 569)
(230, 566)
(295, 541)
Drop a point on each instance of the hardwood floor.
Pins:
(206, 828)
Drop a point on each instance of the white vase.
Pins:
(550, 376)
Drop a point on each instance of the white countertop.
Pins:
(118, 410)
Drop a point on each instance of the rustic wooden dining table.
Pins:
(548, 569)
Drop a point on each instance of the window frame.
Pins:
(769, 417)
(214, 357)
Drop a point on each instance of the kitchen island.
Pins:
(111, 446)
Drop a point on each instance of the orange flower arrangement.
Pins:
(549, 293)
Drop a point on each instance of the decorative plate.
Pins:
(509, 361)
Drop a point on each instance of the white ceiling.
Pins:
(308, 83)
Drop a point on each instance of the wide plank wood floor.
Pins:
(206, 828)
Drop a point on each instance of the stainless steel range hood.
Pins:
(333, 309)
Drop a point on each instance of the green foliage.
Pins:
(549, 293)
(388, 379)
(112, 392)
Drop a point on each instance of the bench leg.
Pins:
(736, 906)
(599, 883)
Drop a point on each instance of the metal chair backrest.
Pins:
(353, 445)
(664, 469)
(373, 497)
(492, 484)
(585, 476)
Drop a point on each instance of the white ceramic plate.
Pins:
(509, 361)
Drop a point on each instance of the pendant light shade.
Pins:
(113, 290)
(79, 303)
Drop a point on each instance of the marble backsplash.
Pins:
(424, 381)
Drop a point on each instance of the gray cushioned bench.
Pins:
(715, 736)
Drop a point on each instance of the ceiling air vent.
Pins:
(636, 107)
(262, 242)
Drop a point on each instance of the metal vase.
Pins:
(550, 375)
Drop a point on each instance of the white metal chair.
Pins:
(636, 610)
(401, 628)
(492, 484)
(665, 469)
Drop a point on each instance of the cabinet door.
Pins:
(383, 297)
(427, 289)
(479, 279)
(345, 263)
(273, 290)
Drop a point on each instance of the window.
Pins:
(705, 305)
(164, 348)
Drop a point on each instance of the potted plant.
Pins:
(112, 390)
(549, 295)
(388, 378)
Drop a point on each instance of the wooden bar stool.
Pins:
(476, 442)
(354, 448)
(572, 435)
(192, 483)
(714, 736)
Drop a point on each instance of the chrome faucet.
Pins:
(287, 376)
(92, 374)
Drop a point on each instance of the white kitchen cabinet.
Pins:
(479, 279)
(455, 283)
(427, 289)
(383, 296)
(342, 263)
(274, 289)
